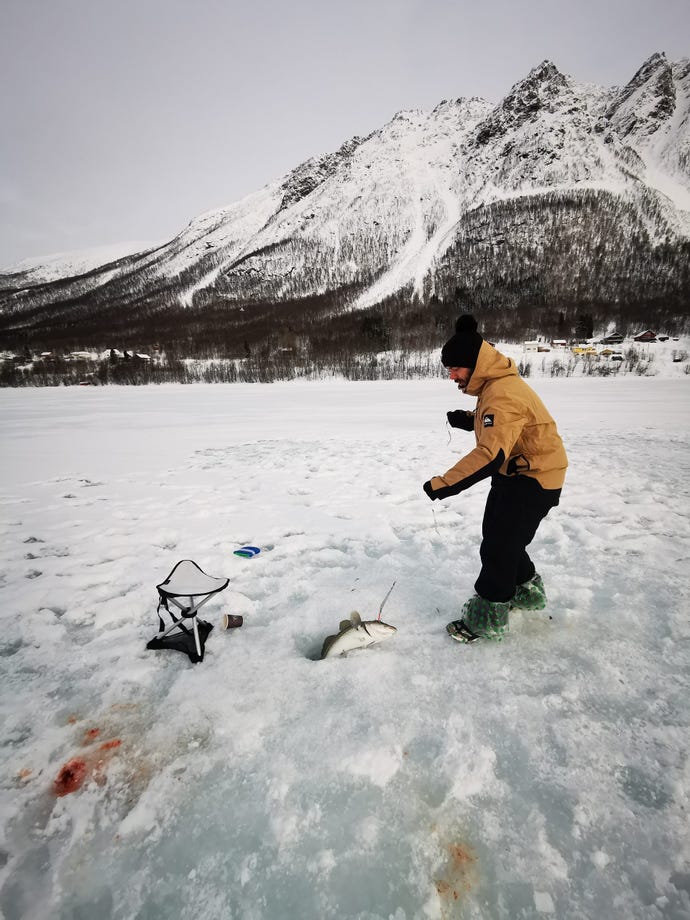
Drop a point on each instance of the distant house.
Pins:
(113, 354)
(614, 339)
(646, 336)
(611, 354)
(530, 346)
(559, 343)
(584, 348)
(80, 356)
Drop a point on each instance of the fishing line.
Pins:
(385, 599)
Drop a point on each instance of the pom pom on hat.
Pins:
(462, 349)
(465, 324)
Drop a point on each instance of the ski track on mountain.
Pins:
(544, 775)
(435, 247)
(403, 268)
(419, 253)
(673, 186)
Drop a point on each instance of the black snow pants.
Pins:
(515, 507)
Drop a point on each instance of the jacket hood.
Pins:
(491, 365)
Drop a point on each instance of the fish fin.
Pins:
(344, 624)
(327, 643)
(355, 619)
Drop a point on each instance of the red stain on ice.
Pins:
(76, 771)
(110, 745)
(459, 878)
(71, 776)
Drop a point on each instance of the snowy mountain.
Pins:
(60, 265)
(561, 197)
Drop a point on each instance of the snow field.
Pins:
(546, 775)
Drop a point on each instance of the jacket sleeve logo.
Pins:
(488, 421)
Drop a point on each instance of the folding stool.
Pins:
(188, 588)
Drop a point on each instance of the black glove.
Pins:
(461, 419)
(429, 491)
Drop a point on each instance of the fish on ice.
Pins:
(356, 633)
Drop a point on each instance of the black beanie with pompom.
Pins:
(462, 350)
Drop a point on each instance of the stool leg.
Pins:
(169, 629)
(196, 637)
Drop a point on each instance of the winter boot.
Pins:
(530, 595)
(480, 619)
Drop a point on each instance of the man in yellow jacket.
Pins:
(518, 446)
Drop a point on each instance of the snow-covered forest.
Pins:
(374, 351)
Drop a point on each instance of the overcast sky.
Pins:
(121, 120)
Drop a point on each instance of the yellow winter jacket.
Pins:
(515, 434)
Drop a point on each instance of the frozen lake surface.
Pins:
(544, 776)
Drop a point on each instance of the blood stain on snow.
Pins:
(459, 877)
(110, 745)
(461, 856)
(71, 776)
(90, 735)
(74, 773)
(445, 890)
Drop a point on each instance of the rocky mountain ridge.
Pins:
(562, 196)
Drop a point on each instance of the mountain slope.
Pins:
(563, 193)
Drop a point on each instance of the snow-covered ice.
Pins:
(546, 775)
